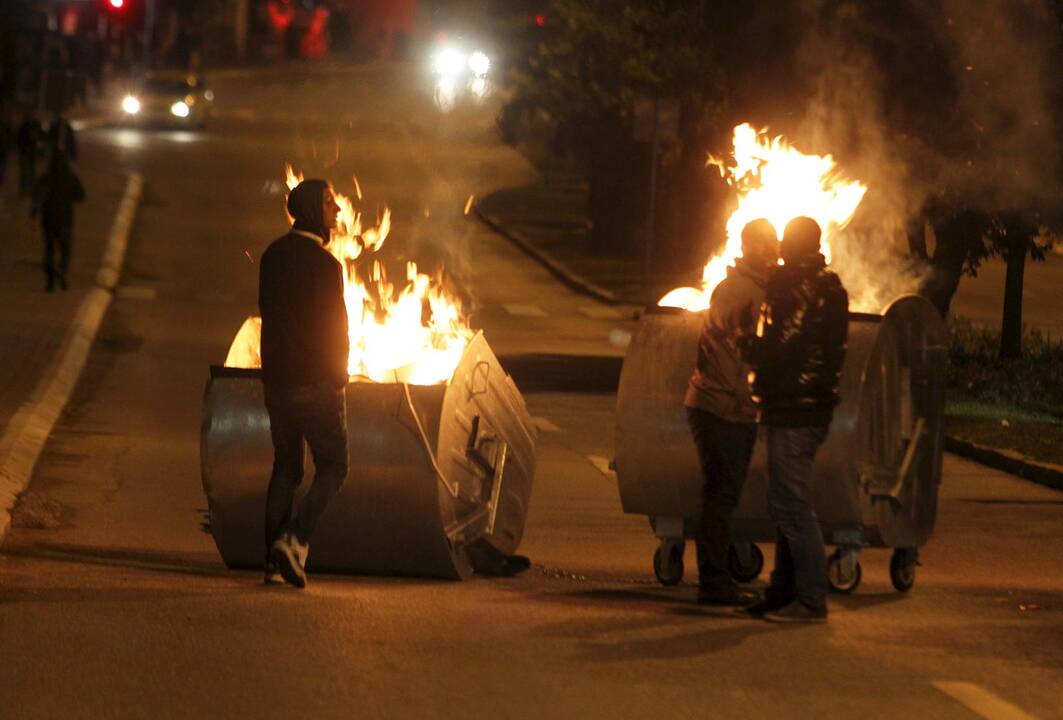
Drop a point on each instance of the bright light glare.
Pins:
(130, 105)
(449, 62)
(180, 109)
(117, 4)
(479, 63)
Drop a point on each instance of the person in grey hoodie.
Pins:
(720, 409)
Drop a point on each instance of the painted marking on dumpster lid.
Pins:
(982, 702)
(544, 425)
(135, 292)
(601, 464)
(524, 310)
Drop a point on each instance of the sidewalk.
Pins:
(547, 221)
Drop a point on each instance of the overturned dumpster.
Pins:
(440, 474)
(876, 476)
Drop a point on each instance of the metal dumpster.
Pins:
(876, 475)
(440, 475)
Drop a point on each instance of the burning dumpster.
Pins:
(441, 446)
(876, 476)
(440, 476)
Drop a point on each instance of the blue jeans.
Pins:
(314, 416)
(800, 558)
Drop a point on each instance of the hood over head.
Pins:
(306, 205)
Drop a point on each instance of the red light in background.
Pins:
(540, 20)
(117, 4)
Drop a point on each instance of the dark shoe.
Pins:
(797, 612)
(759, 609)
(726, 595)
(288, 555)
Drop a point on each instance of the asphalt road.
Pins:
(126, 610)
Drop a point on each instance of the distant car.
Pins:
(169, 98)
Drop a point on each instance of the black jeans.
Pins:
(317, 415)
(800, 558)
(724, 452)
(56, 242)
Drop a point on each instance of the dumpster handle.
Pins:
(451, 488)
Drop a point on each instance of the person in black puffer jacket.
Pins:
(797, 359)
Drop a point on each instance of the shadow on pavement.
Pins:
(122, 558)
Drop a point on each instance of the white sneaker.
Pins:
(288, 556)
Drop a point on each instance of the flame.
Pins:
(414, 334)
(773, 180)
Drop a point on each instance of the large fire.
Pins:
(773, 180)
(413, 334)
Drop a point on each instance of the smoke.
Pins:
(927, 99)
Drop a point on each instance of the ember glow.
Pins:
(412, 333)
(773, 180)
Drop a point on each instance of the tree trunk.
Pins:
(1011, 322)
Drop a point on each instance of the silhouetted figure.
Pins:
(54, 196)
(28, 141)
(797, 361)
(61, 139)
(720, 409)
(304, 374)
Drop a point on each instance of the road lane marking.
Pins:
(600, 312)
(524, 310)
(601, 464)
(544, 425)
(979, 700)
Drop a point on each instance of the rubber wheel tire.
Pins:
(748, 571)
(902, 569)
(842, 586)
(668, 563)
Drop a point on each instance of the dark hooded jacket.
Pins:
(55, 193)
(300, 297)
(798, 354)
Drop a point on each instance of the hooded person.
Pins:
(720, 409)
(797, 362)
(54, 195)
(304, 374)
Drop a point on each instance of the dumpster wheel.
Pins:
(668, 562)
(745, 561)
(843, 571)
(902, 568)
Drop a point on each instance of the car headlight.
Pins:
(449, 62)
(130, 105)
(180, 109)
(479, 63)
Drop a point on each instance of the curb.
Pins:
(1046, 474)
(24, 439)
(562, 273)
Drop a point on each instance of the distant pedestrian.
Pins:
(61, 138)
(28, 142)
(54, 197)
(797, 361)
(720, 409)
(304, 373)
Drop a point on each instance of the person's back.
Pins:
(55, 194)
(304, 321)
